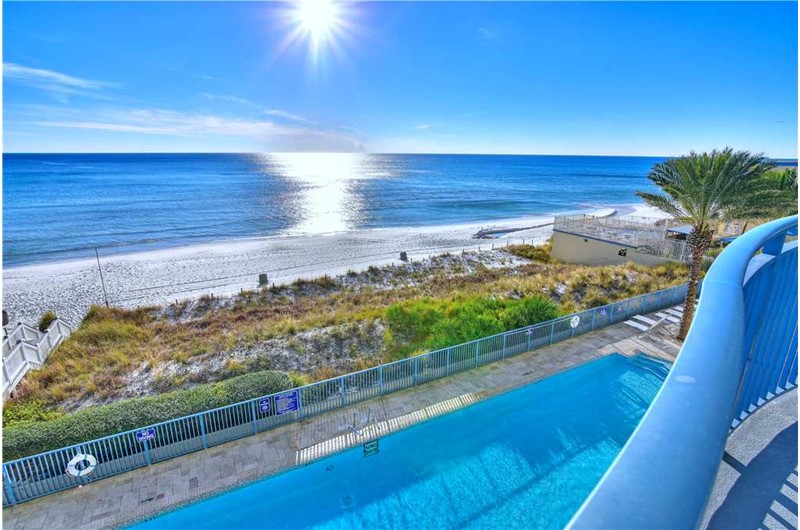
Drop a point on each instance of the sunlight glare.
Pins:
(329, 201)
(319, 22)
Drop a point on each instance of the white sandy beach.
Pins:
(224, 268)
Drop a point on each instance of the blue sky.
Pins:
(541, 78)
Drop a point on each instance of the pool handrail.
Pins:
(664, 475)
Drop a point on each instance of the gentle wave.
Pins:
(59, 207)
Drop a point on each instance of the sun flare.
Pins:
(319, 22)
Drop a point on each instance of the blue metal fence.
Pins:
(42, 474)
(741, 351)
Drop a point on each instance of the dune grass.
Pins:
(435, 310)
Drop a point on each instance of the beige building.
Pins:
(615, 240)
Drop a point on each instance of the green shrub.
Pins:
(28, 411)
(47, 318)
(434, 323)
(26, 438)
(540, 253)
(298, 380)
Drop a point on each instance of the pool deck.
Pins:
(756, 485)
(147, 491)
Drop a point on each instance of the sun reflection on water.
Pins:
(329, 200)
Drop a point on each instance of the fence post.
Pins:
(300, 411)
(12, 499)
(6, 375)
(147, 452)
(202, 418)
(380, 378)
(341, 390)
(628, 309)
(552, 330)
(414, 375)
(504, 345)
(477, 349)
(658, 302)
(255, 417)
(594, 312)
(447, 362)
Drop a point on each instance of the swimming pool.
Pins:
(524, 459)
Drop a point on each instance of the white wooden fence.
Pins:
(27, 348)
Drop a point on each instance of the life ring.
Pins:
(81, 465)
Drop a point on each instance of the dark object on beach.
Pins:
(403, 256)
(623, 252)
(5, 317)
(263, 280)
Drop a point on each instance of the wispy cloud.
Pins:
(230, 99)
(54, 82)
(486, 33)
(423, 126)
(168, 122)
(276, 113)
(286, 115)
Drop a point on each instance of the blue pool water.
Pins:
(525, 459)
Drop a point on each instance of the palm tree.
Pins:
(774, 195)
(779, 193)
(701, 189)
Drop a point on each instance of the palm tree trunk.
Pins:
(699, 240)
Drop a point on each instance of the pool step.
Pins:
(371, 448)
(657, 367)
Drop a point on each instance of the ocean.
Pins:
(62, 206)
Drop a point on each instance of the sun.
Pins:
(320, 22)
(317, 18)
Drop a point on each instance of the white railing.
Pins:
(666, 248)
(646, 236)
(26, 348)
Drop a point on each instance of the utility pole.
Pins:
(100, 270)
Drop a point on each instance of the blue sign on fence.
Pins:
(286, 402)
(263, 405)
(146, 434)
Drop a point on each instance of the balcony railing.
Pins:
(741, 351)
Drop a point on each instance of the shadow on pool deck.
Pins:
(757, 483)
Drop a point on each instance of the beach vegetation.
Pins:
(298, 380)
(430, 323)
(537, 253)
(702, 189)
(367, 324)
(22, 437)
(234, 367)
(46, 319)
(28, 412)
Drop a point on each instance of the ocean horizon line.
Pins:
(387, 153)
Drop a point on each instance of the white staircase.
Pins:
(26, 348)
